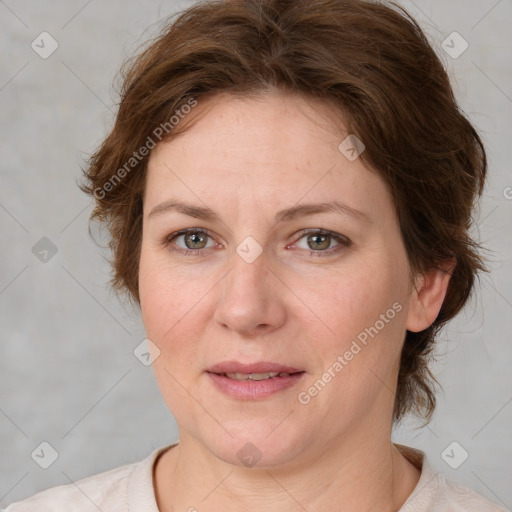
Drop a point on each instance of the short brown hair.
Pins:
(370, 60)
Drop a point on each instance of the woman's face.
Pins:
(272, 277)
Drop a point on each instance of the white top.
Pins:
(130, 488)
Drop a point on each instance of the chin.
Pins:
(255, 444)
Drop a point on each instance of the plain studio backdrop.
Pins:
(69, 375)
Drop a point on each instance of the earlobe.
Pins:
(427, 297)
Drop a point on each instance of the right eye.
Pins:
(189, 241)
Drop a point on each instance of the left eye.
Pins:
(321, 241)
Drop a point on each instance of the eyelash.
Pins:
(343, 241)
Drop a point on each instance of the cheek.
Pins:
(365, 310)
(167, 310)
(172, 307)
(166, 296)
(357, 300)
(365, 313)
(176, 306)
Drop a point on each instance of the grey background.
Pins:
(68, 373)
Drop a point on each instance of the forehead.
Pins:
(272, 149)
(278, 123)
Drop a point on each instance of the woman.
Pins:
(288, 187)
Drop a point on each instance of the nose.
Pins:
(251, 299)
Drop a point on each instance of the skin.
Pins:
(247, 159)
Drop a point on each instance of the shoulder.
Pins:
(436, 493)
(455, 497)
(109, 491)
(80, 496)
(88, 494)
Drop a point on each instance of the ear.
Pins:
(427, 297)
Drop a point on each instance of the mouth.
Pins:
(256, 376)
(253, 381)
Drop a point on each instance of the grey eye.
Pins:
(193, 239)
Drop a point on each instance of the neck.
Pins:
(365, 472)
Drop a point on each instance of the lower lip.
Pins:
(254, 389)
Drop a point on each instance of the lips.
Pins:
(254, 381)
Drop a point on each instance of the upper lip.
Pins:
(246, 368)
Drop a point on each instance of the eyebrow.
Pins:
(288, 214)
